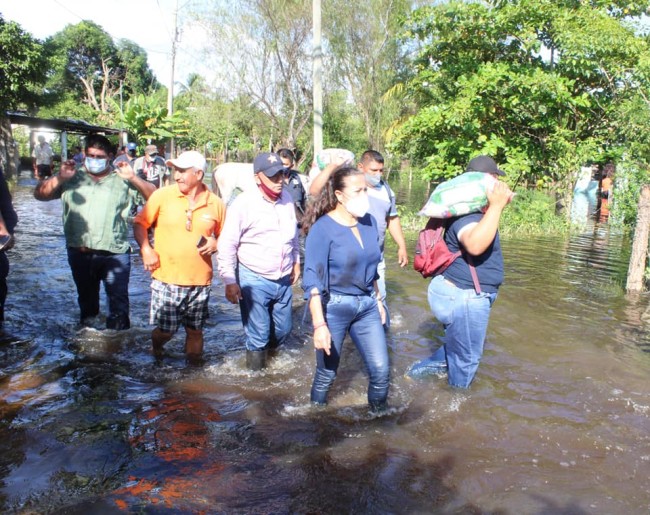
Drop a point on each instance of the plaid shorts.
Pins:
(173, 305)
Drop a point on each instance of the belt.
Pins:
(86, 250)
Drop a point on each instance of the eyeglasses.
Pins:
(188, 222)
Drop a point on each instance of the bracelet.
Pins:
(318, 326)
(315, 294)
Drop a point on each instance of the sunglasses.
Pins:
(188, 222)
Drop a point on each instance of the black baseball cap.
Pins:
(484, 164)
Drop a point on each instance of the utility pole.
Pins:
(170, 90)
(317, 77)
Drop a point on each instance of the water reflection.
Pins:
(556, 421)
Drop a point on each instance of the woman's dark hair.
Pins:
(326, 200)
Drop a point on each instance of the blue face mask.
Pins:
(372, 179)
(94, 165)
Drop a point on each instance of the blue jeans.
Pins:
(265, 309)
(89, 270)
(358, 315)
(464, 315)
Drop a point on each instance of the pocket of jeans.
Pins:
(441, 301)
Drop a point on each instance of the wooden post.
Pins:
(8, 156)
(640, 244)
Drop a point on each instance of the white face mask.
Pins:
(358, 206)
(372, 179)
(95, 166)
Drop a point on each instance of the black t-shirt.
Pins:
(297, 191)
(489, 265)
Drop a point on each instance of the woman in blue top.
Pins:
(340, 283)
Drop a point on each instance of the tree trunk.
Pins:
(640, 244)
(8, 158)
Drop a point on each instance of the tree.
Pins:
(538, 84)
(88, 67)
(146, 118)
(22, 72)
(22, 67)
(264, 47)
(366, 58)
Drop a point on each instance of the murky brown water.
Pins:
(556, 422)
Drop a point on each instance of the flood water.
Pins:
(556, 422)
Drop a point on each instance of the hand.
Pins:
(233, 293)
(68, 169)
(338, 160)
(12, 241)
(125, 171)
(209, 247)
(323, 339)
(402, 257)
(295, 273)
(499, 196)
(382, 311)
(150, 259)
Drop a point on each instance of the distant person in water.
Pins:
(606, 187)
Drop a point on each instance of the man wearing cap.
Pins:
(127, 155)
(151, 167)
(258, 258)
(187, 219)
(96, 204)
(453, 299)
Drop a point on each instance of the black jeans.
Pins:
(92, 267)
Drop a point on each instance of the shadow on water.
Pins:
(556, 421)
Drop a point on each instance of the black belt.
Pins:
(86, 250)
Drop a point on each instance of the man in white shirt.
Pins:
(43, 156)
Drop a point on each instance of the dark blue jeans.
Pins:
(265, 309)
(358, 315)
(89, 270)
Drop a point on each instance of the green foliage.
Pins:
(542, 86)
(22, 67)
(629, 179)
(145, 117)
(341, 127)
(532, 212)
(366, 59)
(88, 68)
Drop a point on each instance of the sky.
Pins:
(149, 23)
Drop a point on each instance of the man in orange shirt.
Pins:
(187, 219)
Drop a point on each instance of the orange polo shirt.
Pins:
(180, 261)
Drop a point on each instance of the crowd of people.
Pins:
(179, 224)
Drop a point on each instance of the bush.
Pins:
(532, 212)
(629, 179)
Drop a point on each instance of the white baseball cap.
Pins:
(189, 159)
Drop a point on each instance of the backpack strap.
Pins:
(472, 270)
